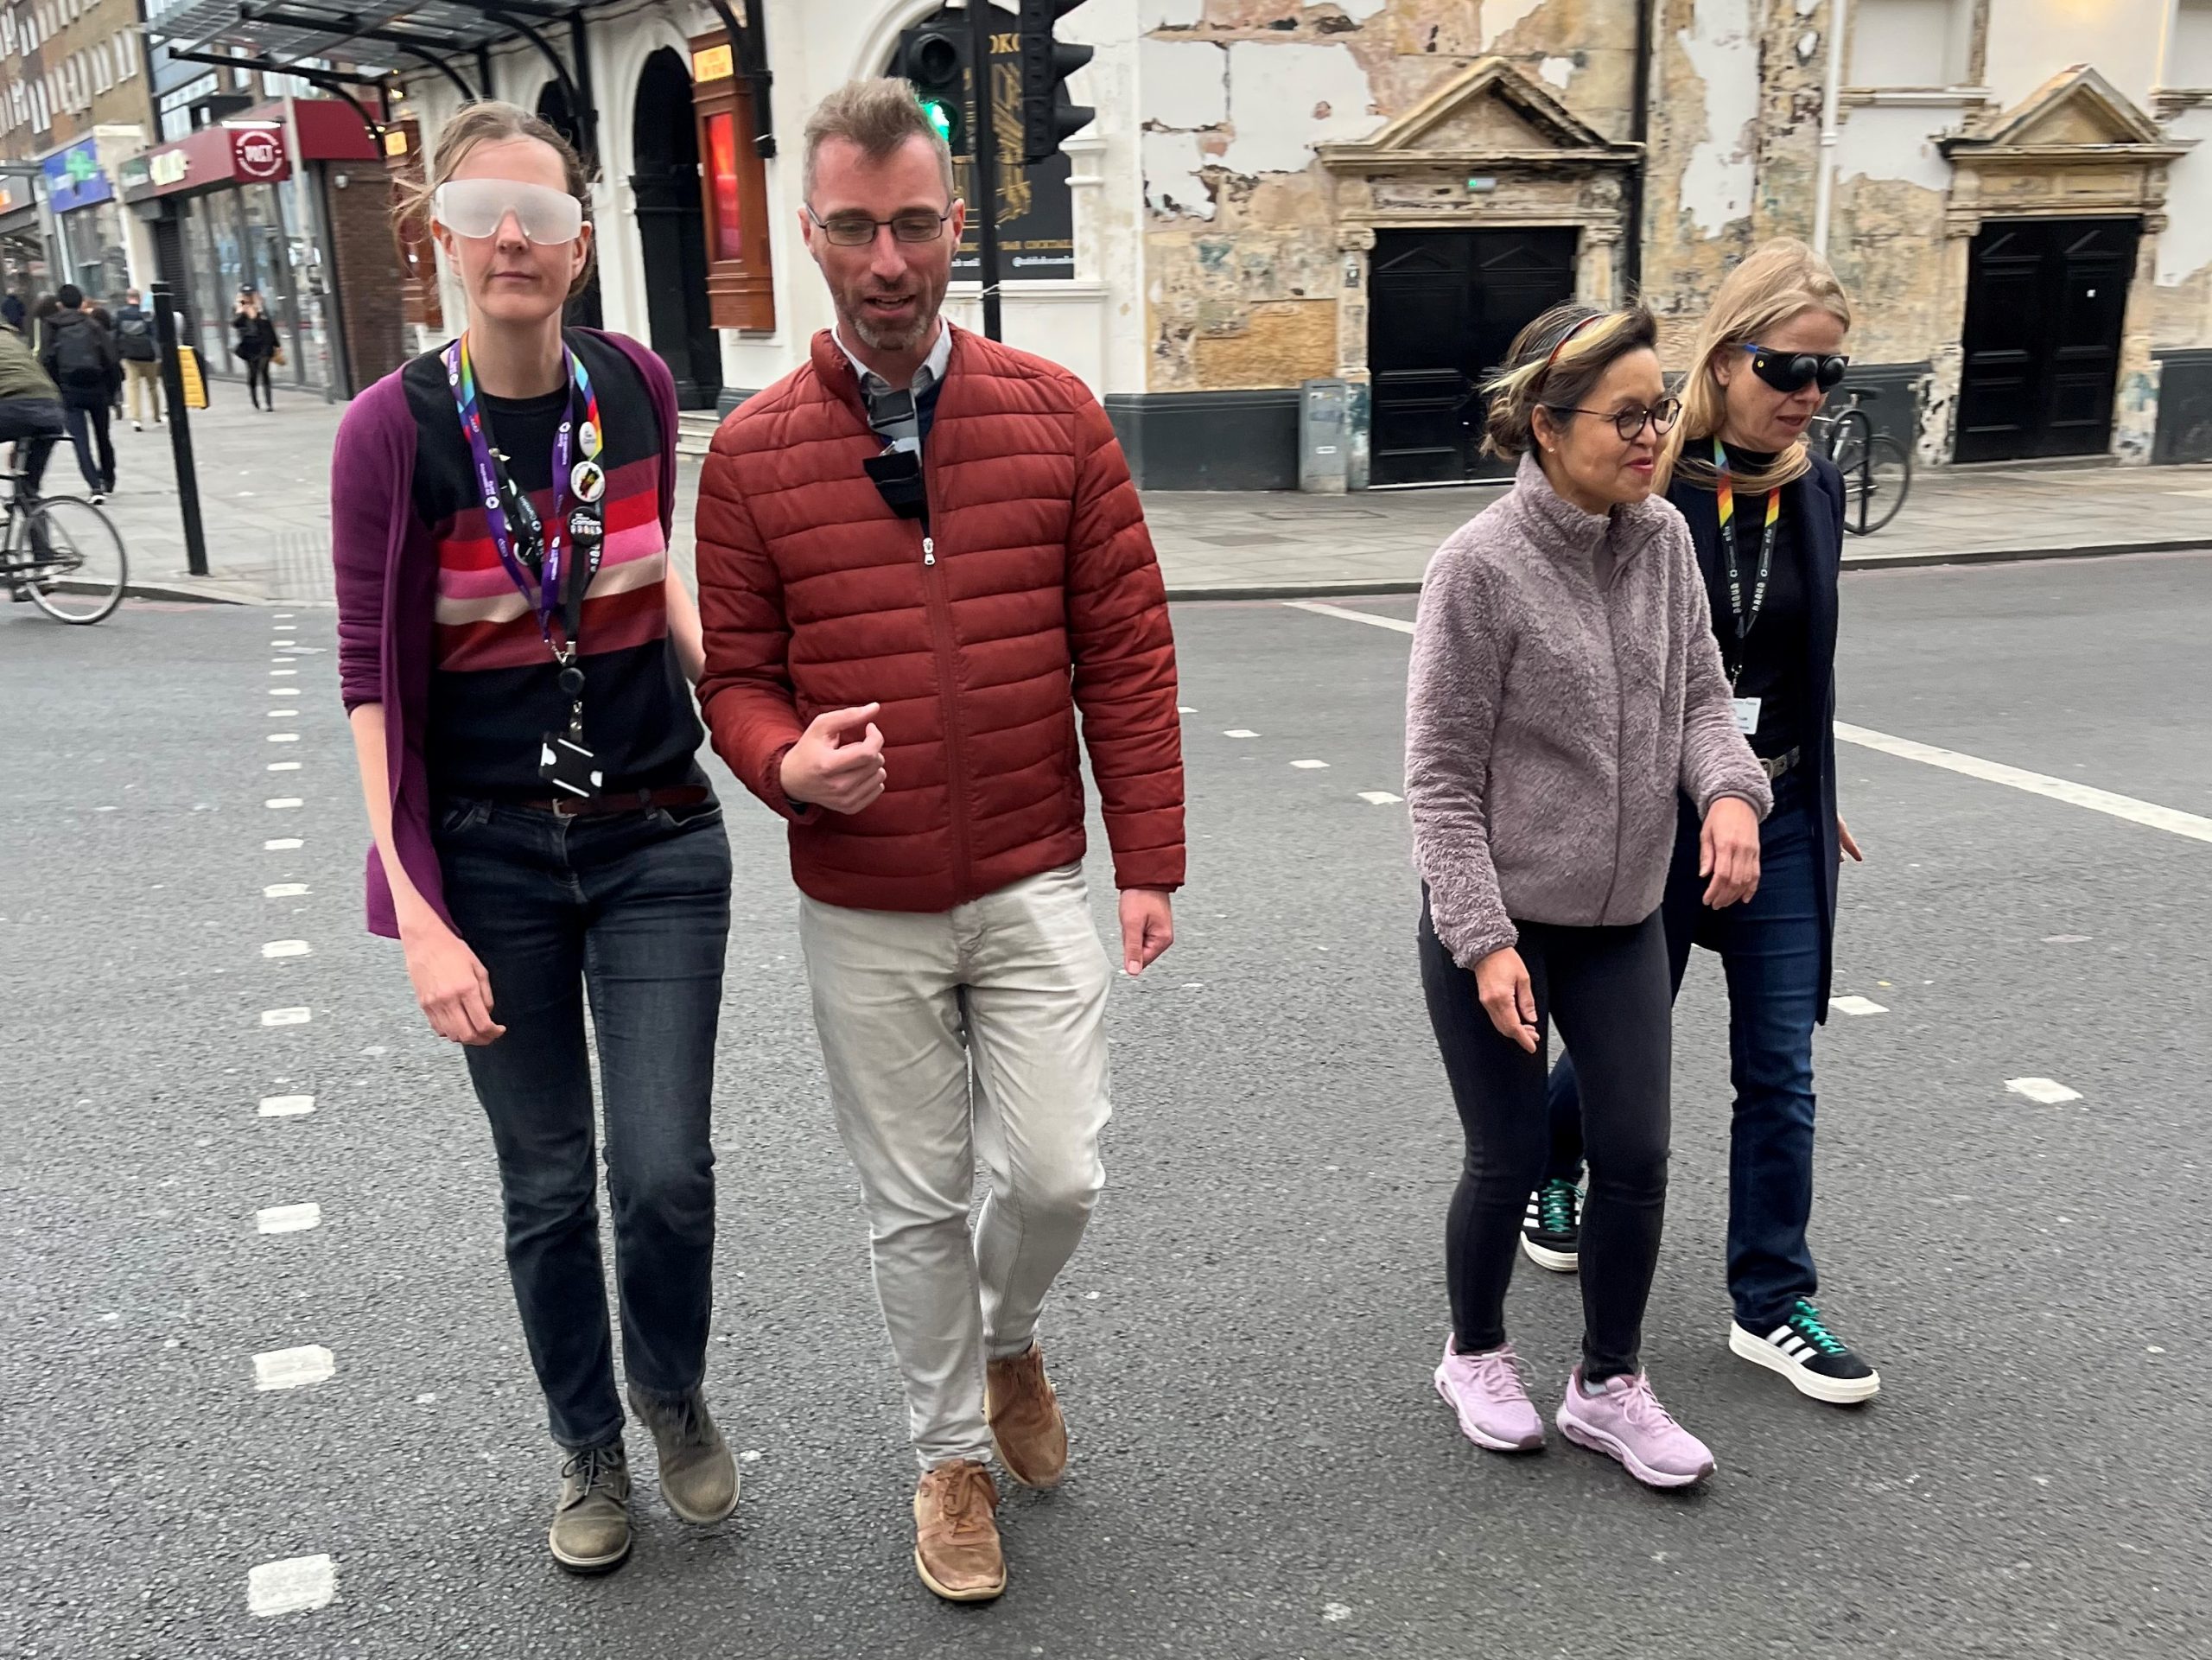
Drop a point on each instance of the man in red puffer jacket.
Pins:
(919, 555)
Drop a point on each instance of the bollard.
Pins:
(187, 478)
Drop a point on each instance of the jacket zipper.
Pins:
(1620, 740)
(940, 614)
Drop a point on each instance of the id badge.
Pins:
(1747, 714)
(571, 769)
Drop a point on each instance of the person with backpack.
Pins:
(254, 343)
(140, 354)
(80, 357)
(30, 407)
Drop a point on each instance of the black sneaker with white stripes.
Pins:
(1551, 1232)
(1816, 1360)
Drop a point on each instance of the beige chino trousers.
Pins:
(974, 1033)
(146, 377)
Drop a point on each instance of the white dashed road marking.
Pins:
(1855, 1005)
(291, 1369)
(1309, 766)
(2047, 1091)
(280, 803)
(284, 890)
(1240, 732)
(1318, 609)
(291, 1587)
(278, 674)
(284, 737)
(287, 1106)
(1380, 798)
(281, 843)
(296, 1016)
(284, 766)
(288, 1219)
(288, 948)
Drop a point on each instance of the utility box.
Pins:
(1323, 434)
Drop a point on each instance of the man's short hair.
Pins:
(131, 297)
(69, 296)
(879, 116)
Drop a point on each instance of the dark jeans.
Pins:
(1770, 950)
(36, 424)
(98, 479)
(633, 911)
(257, 384)
(1607, 989)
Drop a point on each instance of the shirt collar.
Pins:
(928, 375)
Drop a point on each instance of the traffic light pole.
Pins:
(983, 144)
(187, 476)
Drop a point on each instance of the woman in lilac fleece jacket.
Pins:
(1565, 685)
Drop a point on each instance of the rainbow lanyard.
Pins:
(1724, 495)
(550, 541)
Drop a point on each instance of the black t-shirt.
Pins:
(1771, 660)
(494, 690)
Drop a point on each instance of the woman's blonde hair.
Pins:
(1777, 281)
(1554, 364)
(494, 123)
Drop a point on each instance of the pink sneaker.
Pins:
(1624, 1421)
(1486, 1391)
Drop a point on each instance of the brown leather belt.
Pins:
(1776, 765)
(689, 795)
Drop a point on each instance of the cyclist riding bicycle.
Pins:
(30, 410)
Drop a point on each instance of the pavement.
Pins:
(1243, 1343)
(264, 483)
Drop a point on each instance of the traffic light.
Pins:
(1047, 116)
(933, 57)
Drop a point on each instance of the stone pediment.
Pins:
(1490, 113)
(2076, 113)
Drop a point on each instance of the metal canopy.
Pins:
(371, 33)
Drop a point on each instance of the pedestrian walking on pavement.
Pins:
(1564, 687)
(515, 651)
(919, 555)
(1766, 515)
(141, 356)
(31, 418)
(80, 355)
(253, 342)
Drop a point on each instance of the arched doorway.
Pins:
(672, 229)
(553, 104)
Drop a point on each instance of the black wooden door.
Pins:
(1442, 308)
(672, 230)
(2045, 302)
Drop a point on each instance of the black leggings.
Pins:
(257, 384)
(1608, 988)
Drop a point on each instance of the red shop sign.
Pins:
(257, 155)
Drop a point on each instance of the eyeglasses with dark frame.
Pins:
(1662, 416)
(858, 230)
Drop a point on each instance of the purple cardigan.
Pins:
(387, 566)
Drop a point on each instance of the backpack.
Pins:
(78, 357)
(134, 332)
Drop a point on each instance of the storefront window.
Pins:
(312, 349)
(211, 305)
(93, 238)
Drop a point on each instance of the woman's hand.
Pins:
(1728, 852)
(450, 985)
(1502, 983)
(1843, 835)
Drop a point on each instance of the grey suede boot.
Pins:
(698, 1478)
(591, 1526)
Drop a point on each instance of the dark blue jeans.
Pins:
(633, 911)
(1770, 950)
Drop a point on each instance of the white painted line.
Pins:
(291, 1369)
(2147, 814)
(1240, 732)
(291, 1586)
(287, 1106)
(1320, 610)
(282, 628)
(293, 1016)
(284, 737)
(288, 1219)
(285, 713)
(1309, 766)
(1855, 1005)
(284, 766)
(279, 803)
(281, 843)
(280, 616)
(1380, 798)
(2048, 1091)
(284, 659)
(284, 890)
(278, 674)
(1184, 708)
(288, 948)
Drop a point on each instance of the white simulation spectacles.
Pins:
(474, 208)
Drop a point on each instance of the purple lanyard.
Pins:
(462, 378)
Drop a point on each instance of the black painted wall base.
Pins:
(731, 397)
(1209, 441)
(1894, 406)
(2184, 431)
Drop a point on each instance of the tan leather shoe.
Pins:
(1025, 1418)
(957, 1533)
(591, 1526)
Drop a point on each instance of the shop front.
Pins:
(90, 232)
(24, 269)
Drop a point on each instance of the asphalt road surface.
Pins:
(1245, 1343)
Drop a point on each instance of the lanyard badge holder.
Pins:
(523, 540)
(1746, 709)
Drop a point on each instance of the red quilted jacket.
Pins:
(1042, 596)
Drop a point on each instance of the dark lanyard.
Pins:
(586, 483)
(1724, 495)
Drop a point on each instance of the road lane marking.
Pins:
(1319, 609)
(1380, 798)
(1184, 708)
(284, 890)
(1309, 766)
(288, 1219)
(288, 948)
(1855, 1005)
(293, 1016)
(287, 1106)
(278, 674)
(2047, 1091)
(284, 766)
(291, 1369)
(291, 1586)
(1240, 732)
(280, 803)
(281, 843)
(284, 737)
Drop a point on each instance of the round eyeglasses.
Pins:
(1662, 416)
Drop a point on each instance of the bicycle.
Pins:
(1877, 469)
(62, 554)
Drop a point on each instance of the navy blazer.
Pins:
(1815, 504)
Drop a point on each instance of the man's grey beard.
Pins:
(900, 339)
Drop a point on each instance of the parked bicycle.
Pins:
(1877, 469)
(62, 554)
